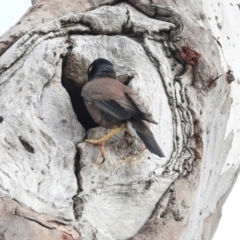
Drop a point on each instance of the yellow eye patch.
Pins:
(90, 69)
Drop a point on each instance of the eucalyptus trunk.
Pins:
(179, 57)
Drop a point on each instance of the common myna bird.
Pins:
(114, 105)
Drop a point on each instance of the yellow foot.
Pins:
(94, 141)
(102, 140)
(102, 151)
(99, 143)
(106, 137)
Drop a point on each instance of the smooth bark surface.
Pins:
(55, 185)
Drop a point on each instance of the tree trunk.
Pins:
(176, 56)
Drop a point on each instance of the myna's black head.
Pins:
(101, 68)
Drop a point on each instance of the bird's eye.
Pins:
(90, 69)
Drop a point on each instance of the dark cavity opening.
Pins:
(74, 92)
(80, 110)
(1, 119)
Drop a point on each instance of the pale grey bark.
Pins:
(52, 179)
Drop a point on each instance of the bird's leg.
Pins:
(106, 137)
(102, 140)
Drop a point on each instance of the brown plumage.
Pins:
(111, 104)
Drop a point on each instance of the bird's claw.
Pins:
(94, 141)
(99, 143)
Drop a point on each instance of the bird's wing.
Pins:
(134, 104)
(114, 98)
(125, 108)
(103, 94)
(113, 108)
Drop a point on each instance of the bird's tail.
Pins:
(145, 134)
